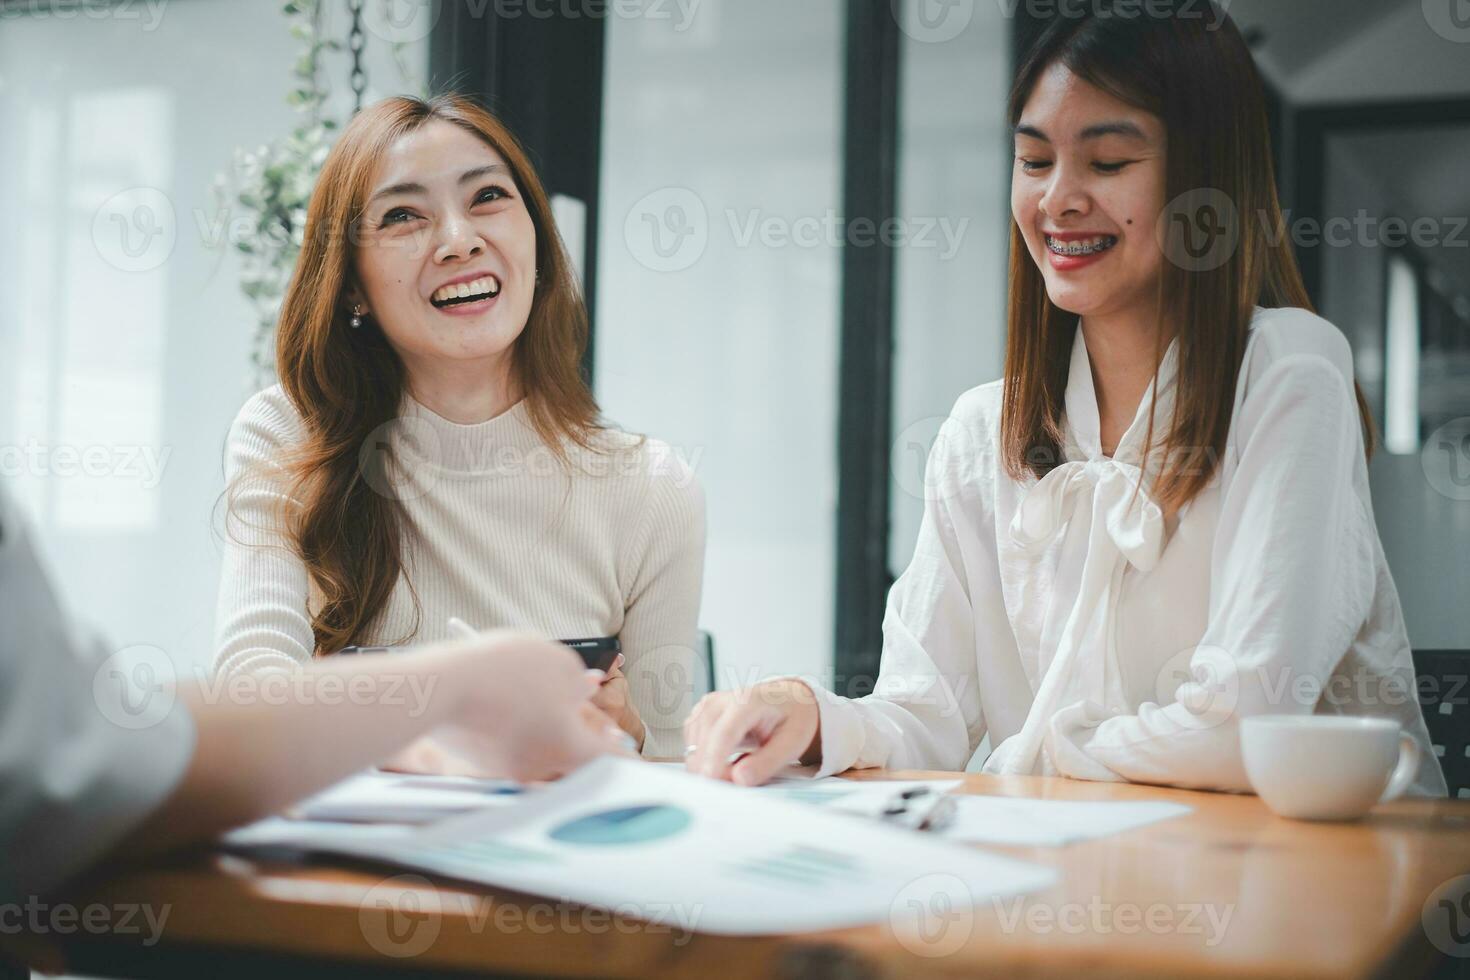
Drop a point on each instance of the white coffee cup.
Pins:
(1327, 767)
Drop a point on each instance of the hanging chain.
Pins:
(355, 42)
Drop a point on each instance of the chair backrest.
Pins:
(707, 647)
(1444, 694)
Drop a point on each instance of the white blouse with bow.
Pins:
(1090, 636)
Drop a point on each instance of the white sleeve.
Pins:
(924, 712)
(86, 753)
(1291, 582)
(262, 618)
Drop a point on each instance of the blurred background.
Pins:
(791, 219)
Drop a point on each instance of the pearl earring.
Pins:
(356, 319)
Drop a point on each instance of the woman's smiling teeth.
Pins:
(466, 292)
(1082, 246)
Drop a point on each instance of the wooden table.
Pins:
(1227, 890)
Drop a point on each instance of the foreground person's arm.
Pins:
(97, 758)
(510, 704)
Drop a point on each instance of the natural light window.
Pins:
(107, 284)
(1401, 401)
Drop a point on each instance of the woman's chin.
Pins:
(1078, 301)
(449, 350)
(478, 349)
(472, 339)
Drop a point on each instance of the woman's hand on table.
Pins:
(777, 722)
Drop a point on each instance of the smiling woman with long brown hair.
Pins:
(1158, 522)
(432, 450)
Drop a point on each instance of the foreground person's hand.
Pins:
(523, 708)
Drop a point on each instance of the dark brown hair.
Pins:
(347, 383)
(1186, 63)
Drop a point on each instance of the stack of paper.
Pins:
(659, 844)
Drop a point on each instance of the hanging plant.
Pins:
(269, 187)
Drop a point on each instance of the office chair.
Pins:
(707, 644)
(1444, 694)
(11, 970)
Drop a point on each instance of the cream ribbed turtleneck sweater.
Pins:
(498, 533)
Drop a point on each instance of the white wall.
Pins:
(714, 335)
(954, 171)
(135, 356)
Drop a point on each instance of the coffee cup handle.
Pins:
(1404, 772)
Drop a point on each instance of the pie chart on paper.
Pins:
(625, 825)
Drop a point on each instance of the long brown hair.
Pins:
(346, 383)
(1187, 64)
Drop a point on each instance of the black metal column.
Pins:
(870, 171)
